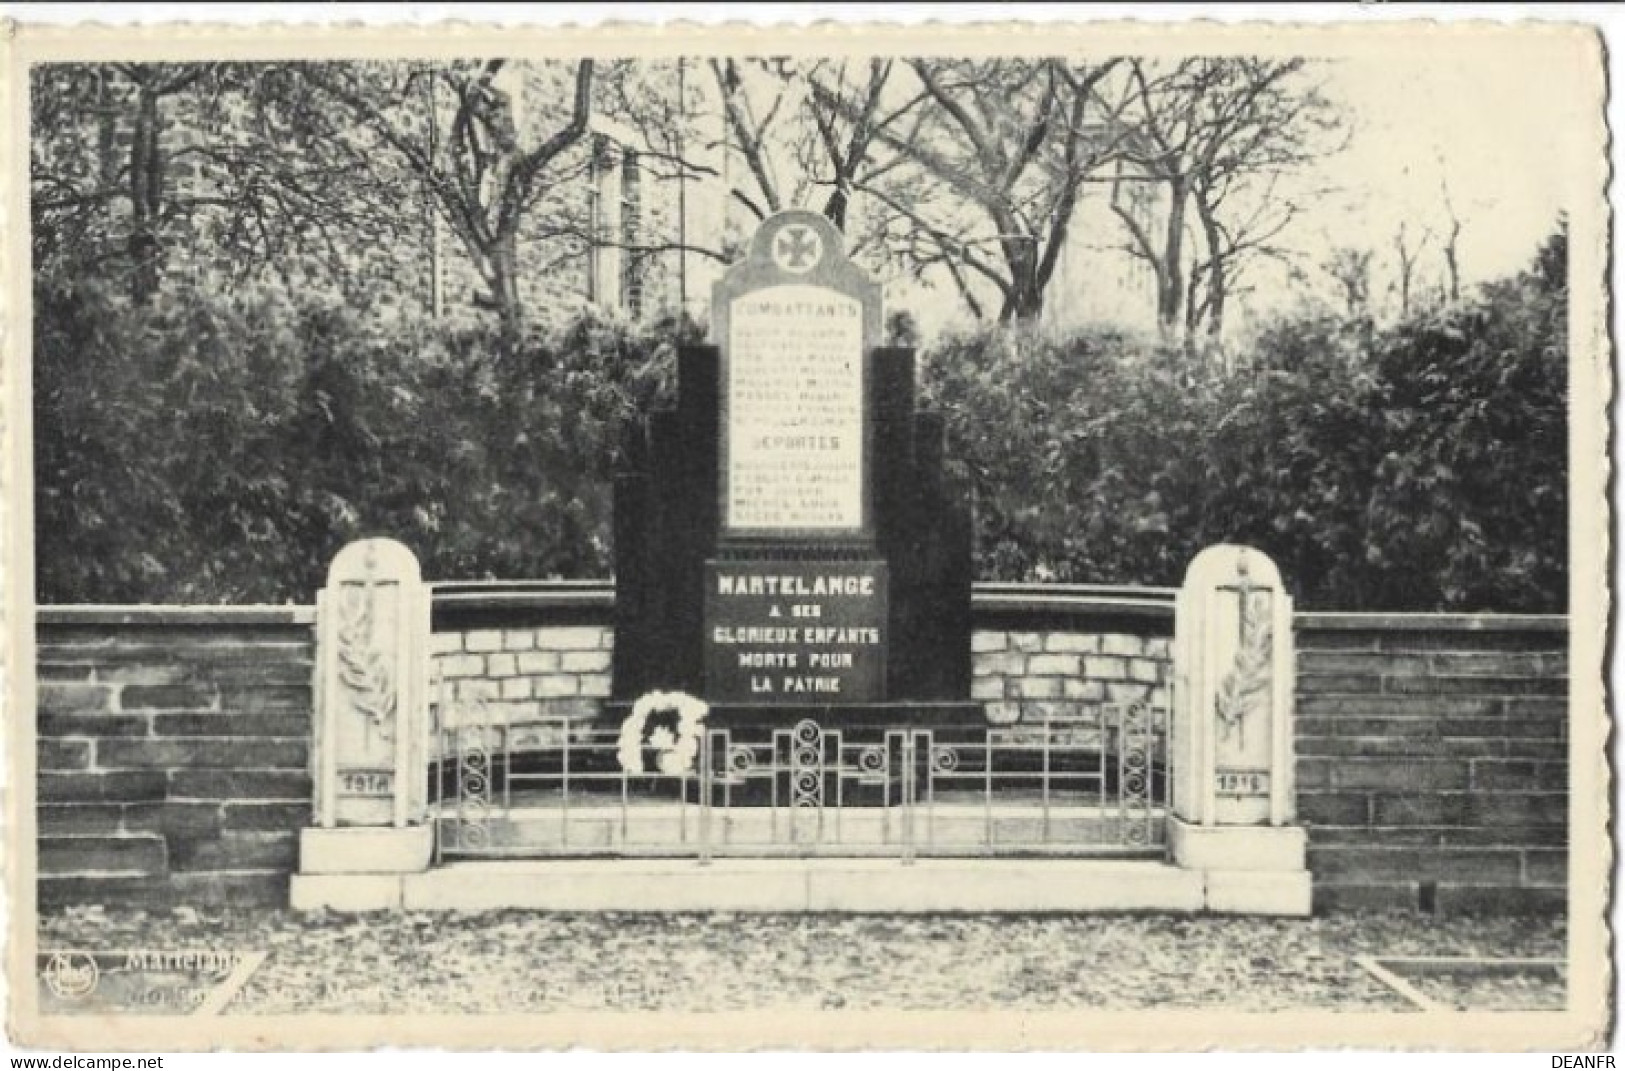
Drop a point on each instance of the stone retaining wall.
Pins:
(1432, 761)
(529, 674)
(524, 674)
(173, 745)
(1021, 675)
(173, 754)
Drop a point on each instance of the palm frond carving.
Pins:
(362, 667)
(1248, 682)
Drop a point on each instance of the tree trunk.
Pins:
(502, 277)
(1024, 303)
(1193, 303)
(1171, 294)
(1217, 284)
(1215, 303)
(1024, 300)
(1407, 265)
(146, 199)
(1452, 268)
(106, 135)
(835, 208)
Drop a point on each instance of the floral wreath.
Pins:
(677, 750)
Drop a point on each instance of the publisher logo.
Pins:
(72, 975)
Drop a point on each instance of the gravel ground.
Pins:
(1466, 990)
(513, 961)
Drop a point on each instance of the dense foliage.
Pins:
(205, 448)
(222, 449)
(1422, 466)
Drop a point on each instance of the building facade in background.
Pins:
(211, 177)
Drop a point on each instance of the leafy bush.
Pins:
(1420, 467)
(1470, 498)
(208, 448)
(224, 448)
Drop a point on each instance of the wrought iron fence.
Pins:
(1093, 781)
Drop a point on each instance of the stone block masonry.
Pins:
(173, 753)
(1432, 761)
(523, 674)
(538, 674)
(1030, 677)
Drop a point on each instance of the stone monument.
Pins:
(1232, 735)
(785, 537)
(372, 730)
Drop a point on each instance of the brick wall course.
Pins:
(1432, 767)
(173, 761)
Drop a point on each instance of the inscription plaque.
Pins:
(795, 410)
(795, 632)
(798, 323)
(366, 782)
(1241, 783)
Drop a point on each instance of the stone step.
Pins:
(844, 885)
(964, 826)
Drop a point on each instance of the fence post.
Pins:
(372, 728)
(1232, 735)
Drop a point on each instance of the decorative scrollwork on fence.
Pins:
(872, 759)
(1065, 787)
(1134, 769)
(473, 783)
(740, 758)
(807, 765)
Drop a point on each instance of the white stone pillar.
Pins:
(1232, 735)
(372, 729)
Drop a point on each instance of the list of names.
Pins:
(795, 410)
